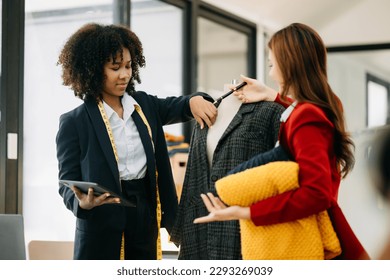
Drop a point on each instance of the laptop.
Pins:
(12, 242)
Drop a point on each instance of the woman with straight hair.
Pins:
(312, 132)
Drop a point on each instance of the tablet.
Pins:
(97, 190)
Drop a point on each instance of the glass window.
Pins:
(222, 56)
(377, 102)
(48, 24)
(159, 27)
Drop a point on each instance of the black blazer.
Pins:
(85, 153)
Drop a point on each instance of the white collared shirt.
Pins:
(131, 153)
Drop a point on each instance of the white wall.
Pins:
(358, 198)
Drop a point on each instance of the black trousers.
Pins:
(141, 224)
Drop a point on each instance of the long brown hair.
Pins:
(301, 55)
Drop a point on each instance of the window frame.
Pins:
(11, 105)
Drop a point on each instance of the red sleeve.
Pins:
(309, 137)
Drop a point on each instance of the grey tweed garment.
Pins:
(253, 130)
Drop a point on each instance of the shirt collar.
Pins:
(286, 114)
(108, 109)
(128, 103)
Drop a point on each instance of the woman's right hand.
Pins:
(255, 91)
(218, 211)
(89, 201)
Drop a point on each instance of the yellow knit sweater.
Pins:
(308, 238)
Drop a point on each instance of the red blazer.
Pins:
(308, 136)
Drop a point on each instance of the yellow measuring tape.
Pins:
(158, 207)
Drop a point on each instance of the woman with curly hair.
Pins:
(116, 139)
(312, 132)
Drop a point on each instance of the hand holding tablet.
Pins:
(98, 190)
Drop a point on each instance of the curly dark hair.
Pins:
(87, 51)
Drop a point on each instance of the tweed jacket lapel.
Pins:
(102, 136)
(237, 120)
(202, 144)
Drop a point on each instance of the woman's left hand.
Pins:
(220, 212)
(89, 201)
(203, 111)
